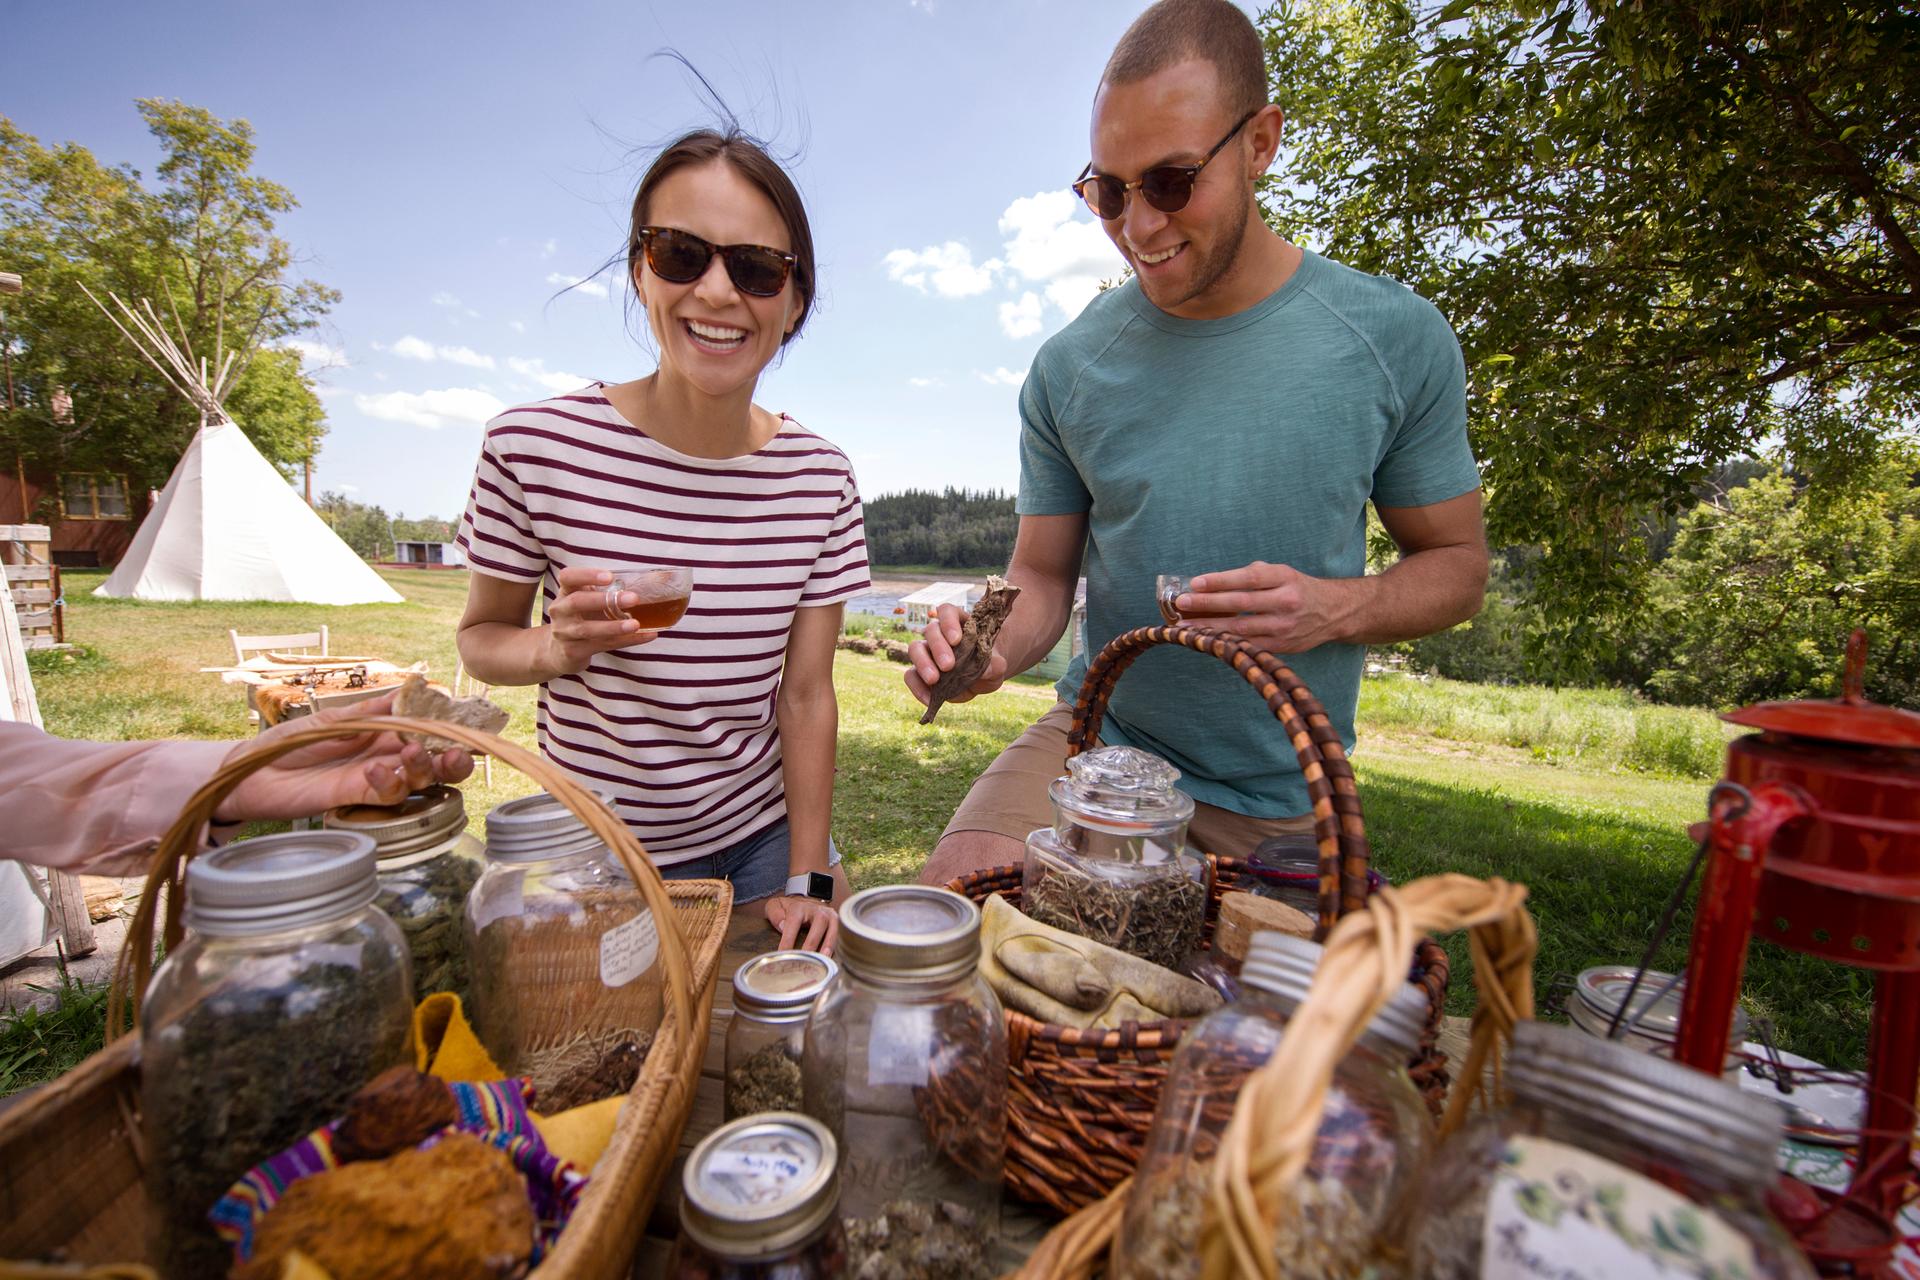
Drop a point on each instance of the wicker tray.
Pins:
(1079, 1101)
(70, 1153)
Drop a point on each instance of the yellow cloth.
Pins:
(1065, 979)
(444, 1045)
(298, 1266)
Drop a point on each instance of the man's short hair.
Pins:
(1174, 31)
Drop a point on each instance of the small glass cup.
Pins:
(663, 592)
(1169, 587)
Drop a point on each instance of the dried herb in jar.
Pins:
(426, 901)
(919, 1240)
(1325, 1234)
(768, 1080)
(1159, 918)
(268, 1065)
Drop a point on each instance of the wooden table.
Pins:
(1021, 1225)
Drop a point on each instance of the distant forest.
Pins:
(956, 529)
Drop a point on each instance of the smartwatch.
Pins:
(817, 885)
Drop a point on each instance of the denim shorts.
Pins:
(757, 866)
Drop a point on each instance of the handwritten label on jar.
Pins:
(1560, 1212)
(628, 950)
(756, 1177)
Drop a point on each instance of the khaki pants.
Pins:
(1010, 798)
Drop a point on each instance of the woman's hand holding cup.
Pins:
(579, 625)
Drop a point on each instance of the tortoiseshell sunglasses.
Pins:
(680, 257)
(1166, 187)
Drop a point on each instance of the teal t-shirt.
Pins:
(1200, 445)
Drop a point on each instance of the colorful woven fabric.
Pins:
(494, 1111)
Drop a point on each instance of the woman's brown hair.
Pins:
(751, 161)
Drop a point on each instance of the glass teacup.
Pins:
(664, 593)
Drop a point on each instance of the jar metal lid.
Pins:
(1283, 966)
(534, 828)
(422, 821)
(760, 1185)
(779, 986)
(277, 882)
(910, 933)
(1689, 1115)
(1598, 993)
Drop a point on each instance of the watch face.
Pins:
(820, 885)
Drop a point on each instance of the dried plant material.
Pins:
(585, 1072)
(975, 650)
(1157, 917)
(422, 701)
(399, 1110)
(919, 1240)
(457, 1209)
(768, 1080)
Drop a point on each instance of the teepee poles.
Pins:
(172, 360)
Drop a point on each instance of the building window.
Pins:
(89, 496)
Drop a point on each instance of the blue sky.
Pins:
(457, 164)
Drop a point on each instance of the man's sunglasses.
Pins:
(680, 257)
(1167, 187)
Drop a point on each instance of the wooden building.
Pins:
(93, 515)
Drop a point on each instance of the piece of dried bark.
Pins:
(421, 700)
(399, 1109)
(975, 650)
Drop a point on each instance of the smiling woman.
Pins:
(714, 733)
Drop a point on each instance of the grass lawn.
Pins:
(1573, 794)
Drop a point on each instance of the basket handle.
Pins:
(1338, 827)
(1277, 1113)
(166, 875)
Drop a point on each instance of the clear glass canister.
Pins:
(565, 983)
(772, 996)
(427, 865)
(1375, 1132)
(1114, 866)
(906, 1063)
(759, 1203)
(290, 992)
(1608, 1162)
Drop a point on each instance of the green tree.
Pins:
(364, 528)
(200, 244)
(1667, 234)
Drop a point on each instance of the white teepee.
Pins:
(228, 526)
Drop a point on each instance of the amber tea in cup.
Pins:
(663, 593)
(1169, 587)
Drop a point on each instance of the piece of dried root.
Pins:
(975, 650)
(421, 700)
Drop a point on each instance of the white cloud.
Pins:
(551, 379)
(412, 348)
(1048, 245)
(948, 268)
(445, 299)
(315, 356)
(592, 288)
(451, 407)
(924, 383)
(550, 248)
(1001, 376)
(1021, 319)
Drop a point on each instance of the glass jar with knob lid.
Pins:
(760, 1202)
(906, 1063)
(772, 996)
(1114, 866)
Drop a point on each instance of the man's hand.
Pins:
(1284, 609)
(578, 626)
(372, 768)
(932, 654)
(792, 915)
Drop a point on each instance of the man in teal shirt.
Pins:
(1228, 412)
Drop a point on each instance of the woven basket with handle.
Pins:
(1079, 1101)
(70, 1154)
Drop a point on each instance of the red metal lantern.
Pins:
(1816, 847)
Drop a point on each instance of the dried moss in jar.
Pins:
(290, 992)
(758, 1203)
(1607, 1162)
(1373, 1138)
(566, 985)
(427, 866)
(1114, 866)
(772, 995)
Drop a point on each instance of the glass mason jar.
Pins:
(427, 865)
(1114, 866)
(1607, 1162)
(290, 992)
(772, 996)
(1375, 1133)
(565, 983)
(759, 1203)
(906, 1063)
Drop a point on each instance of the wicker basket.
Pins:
(70, 1154)
(1079, 1101)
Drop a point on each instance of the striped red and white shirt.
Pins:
(680, 732)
